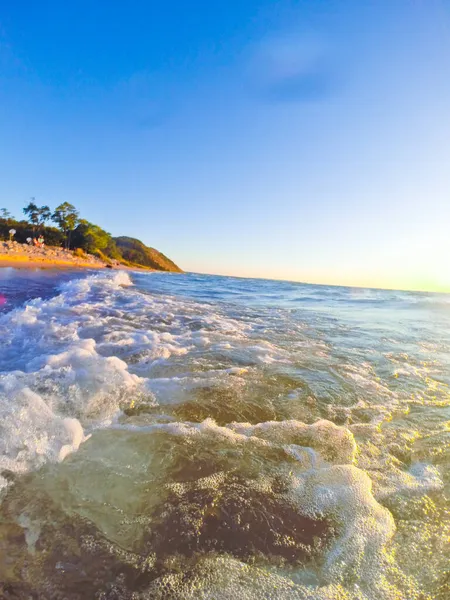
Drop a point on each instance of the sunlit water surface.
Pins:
(198, 437)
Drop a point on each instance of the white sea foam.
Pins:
(66, 355)
(323, 485)
(31, 433)
(95, 362)
(55, 384)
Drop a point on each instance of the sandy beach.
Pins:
(24, 256)
(25, 263)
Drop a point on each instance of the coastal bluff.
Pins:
(136, 252)
(74, 242)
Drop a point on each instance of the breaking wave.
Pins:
(154, 444)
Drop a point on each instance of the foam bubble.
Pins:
(319, 482)
(32, 433)
(336, 444)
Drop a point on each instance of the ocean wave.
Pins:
(156, 445)
(54, 384)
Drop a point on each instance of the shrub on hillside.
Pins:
(24, 230)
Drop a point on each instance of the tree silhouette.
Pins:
(66, 217)
(5, 214)
(32, 212)
(45, 214)
(37, 215)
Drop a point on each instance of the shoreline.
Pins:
(23, 256)
(25, 262)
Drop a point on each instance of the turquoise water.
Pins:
(192, 436)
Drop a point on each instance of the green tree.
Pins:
(66, 217)
(5, 214)
(37, 215)
(45, 214)
(90, 237)
(32, 212)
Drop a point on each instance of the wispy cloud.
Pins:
(291, 68)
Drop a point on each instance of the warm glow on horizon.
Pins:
(408, 262)
(437, 279)
(427, 284)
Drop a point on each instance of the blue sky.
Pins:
(294, 140)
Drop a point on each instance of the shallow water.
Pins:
(188, 436)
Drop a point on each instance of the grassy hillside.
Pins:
(135, 252)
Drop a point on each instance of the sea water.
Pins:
(197, 437)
